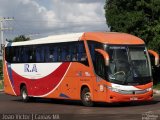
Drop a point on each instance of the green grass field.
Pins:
(1, 84)
(157, 86)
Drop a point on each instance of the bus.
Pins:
(92, 67)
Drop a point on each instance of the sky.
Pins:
(39, 18)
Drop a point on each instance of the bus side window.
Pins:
(24, 56)
(51, 54)
(92, 51)
(68, 55)
(112, 63)
(8, 54)
(16, 57)
(21, 54)
(31, 54)
(100, 66)
(65, 53)
(38, 55)
(46, 53)
(74, 52)
(64, 49)
(34, 54)
(82, 56)
(59, 52)
(42, 54)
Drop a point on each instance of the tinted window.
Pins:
(58, 52)
(92, 46)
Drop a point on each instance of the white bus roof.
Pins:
(103, 37)
(50, 39)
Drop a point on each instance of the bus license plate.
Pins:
(133, 98)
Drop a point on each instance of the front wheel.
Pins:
(86, 97)
(24, 94)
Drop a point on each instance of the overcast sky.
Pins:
(45, 17)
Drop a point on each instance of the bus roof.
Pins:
(50, 39)
(113, 38)
(103, 37)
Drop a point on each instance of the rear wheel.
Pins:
(24, 94)
(86, 97)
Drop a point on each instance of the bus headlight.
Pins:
(113, 89)
(148, 89)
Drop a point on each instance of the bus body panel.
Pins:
(112, 38)
(64, 80)
(8, 88)
(40, 86)
(74, 79)
(100, 91)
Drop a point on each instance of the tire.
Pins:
(86, 97)
(24, 94)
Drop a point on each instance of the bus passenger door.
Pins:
(100, 70)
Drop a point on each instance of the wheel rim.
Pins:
(24, 95)
(87, 97)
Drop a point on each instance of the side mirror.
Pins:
(156, 56)
(105, 55)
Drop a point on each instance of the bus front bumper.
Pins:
(113, 97)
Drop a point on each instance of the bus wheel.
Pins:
(24, 94)
(86, 97)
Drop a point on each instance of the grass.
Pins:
(157, 86)
(1, 84)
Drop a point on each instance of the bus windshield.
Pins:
(129, 65)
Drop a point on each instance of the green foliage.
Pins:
(1, 70)
(156, 87)
(1, 85)
(137, 17)
(21, 38)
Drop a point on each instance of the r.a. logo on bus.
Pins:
(30, 68)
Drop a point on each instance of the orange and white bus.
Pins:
(91, 67)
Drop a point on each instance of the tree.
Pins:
(21, 38)
(1, 70)
(137, 17)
